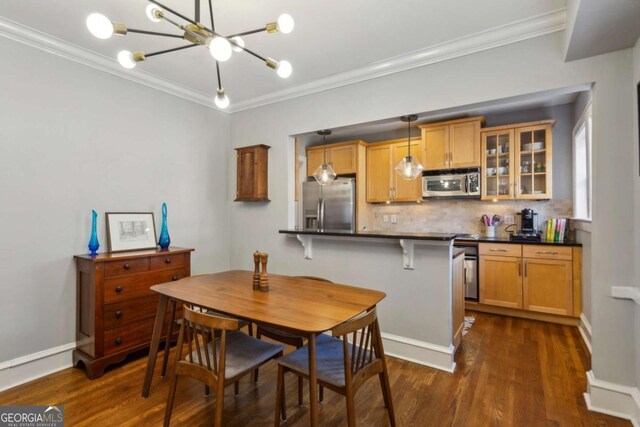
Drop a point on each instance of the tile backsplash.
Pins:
(461, 216)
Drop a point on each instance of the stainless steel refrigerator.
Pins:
(329, 207)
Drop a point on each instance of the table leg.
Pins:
(155, 344)
(313, 380)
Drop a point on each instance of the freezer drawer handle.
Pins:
(497, 250)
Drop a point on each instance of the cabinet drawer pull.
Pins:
(525, 268)
(167, 260)
(174, 278)
(126, 266)
(119, 289)
(497, 250)
(118, 340)
(547, 252)
(520, 268)
(118, 314)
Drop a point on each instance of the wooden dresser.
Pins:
(115, 308)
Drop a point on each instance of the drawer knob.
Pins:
(127, 266)
(167, 260)
(118, 340)
(118, 314)
(119, 289)
(174, 278)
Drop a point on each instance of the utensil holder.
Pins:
(490, 231)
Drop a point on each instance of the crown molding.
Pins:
(502, 35)
(495, 37)
(34, 38)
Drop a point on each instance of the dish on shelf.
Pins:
(538, 145)
(538, 192)
(491, 151)
(491, 171)
(502, 170)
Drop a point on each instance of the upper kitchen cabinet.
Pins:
(252, 173)
(517, 161)
(343, 157)
(383, 182)
(452, 144)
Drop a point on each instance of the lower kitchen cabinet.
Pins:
(532, 279)
(501, 281)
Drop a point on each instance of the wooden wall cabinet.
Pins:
(452, 144)
(343, 157)
(252, 183)
(116, 308)
(383, 182)
(517, 161)
(536, 278)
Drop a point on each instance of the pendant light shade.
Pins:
(409, 167)
(324, 174)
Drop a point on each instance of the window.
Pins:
(582, 167)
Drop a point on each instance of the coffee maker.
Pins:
(527, 226)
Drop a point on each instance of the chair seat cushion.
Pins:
(244, 353)
(329, 357)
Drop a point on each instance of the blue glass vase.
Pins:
(94, 245)
(164, 240)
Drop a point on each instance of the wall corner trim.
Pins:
(584, 327)
(613, 399)
(35, 365)
(626, 292)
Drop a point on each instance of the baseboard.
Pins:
(613, 399)
(32, 366)
(585, 331)
(420, 352)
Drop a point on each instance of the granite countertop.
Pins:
(375, 234)
(505, 239)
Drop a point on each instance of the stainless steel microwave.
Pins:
(451, 183)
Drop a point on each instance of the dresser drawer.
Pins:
(138, 333)
(131, 266)
(124, 313)
(547, 252)
(500, 249)
(128, 287)
(169, 261)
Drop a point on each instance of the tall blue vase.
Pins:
(94, 245)
(164, 240)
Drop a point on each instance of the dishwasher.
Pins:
(471, 289)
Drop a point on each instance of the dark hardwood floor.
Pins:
(511, 372)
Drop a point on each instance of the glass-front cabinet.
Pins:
(516, 161)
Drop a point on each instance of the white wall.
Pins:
(74, 139)
(530, 66)
(636, 80)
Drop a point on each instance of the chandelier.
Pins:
(197, 34)
(409, 167)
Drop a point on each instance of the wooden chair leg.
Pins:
(250, 328)
(219, 403)
(351, 410)
(170, 399)
(386, 394)
(300, 385)
(236, 388)
(280, 406)
(167, 344)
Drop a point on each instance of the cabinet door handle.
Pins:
(119, 289)
(118, 314)
(118, 340)
(520, 268)
(174, 278)
(167, 260)
(126, 266)
(525, 267)
(497, 250)
(547, 252)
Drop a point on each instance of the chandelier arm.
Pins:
(178, 14)
(154, 33)
(196, 7)
(218, 73)
(251, 52)
(160, 52)
(213, 24)
(246, 33)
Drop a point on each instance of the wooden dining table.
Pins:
(300, 305)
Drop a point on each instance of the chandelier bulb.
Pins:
(154, 13)
(221, 99)
(220, 49)
(284, 69)
(239, 43)
(285, 23)
(129, 59)
(100, 26)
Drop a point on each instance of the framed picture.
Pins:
(130, 231)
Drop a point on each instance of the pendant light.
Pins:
(324, 174)
(409, 167)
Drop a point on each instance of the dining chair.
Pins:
(216, 361)
(288, 338)
(167, 345)
(353, 354)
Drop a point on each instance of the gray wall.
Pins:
(636, 80)
(489, 75)
(74, 139)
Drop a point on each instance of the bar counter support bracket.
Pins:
(407, 253)
(306, 244)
